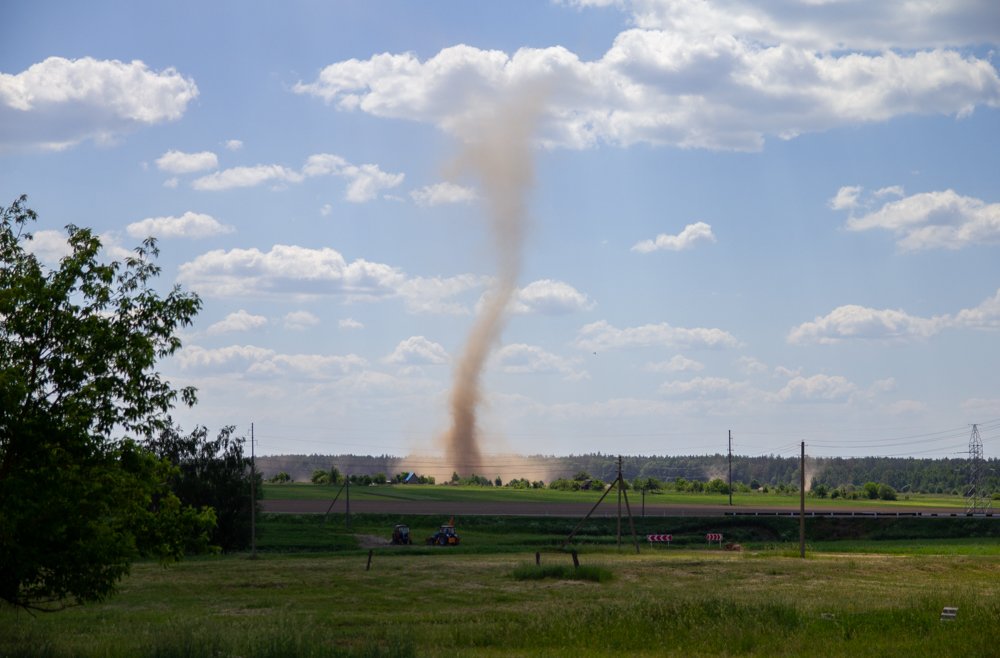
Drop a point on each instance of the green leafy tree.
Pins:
(79, 497)
(213, 473)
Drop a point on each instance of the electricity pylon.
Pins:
(979, 498)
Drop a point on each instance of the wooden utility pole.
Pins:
(346, 486)
(620, 484)
(802, 502)
(618, 481)
(253, 497)
(730, 468)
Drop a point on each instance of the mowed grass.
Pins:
(303, 491)
(423, 601)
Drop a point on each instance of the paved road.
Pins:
(607, 508)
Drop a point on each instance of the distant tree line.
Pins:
(836, 476)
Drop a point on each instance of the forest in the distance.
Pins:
(904, 474)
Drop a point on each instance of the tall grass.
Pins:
(589, 572)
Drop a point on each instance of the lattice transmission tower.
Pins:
(979, 498)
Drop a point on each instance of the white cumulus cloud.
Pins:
(853, 322)
(695, 74)
(418, 350)
(817, 388)
(304, 273)
(49, 246)
(692, 234)
(237, 177)
(299, 320)
(178, 162)
(60, 102)
(935, 220)
(288, 269)
(549, 297)
(846, 197)
(188, 225)
(241, 320)
(859, 322)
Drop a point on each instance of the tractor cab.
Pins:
(401, 535)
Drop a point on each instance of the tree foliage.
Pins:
(213, 473)
(79, 498)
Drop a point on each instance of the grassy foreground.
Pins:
(445, 602)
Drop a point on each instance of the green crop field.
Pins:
(302, 491)
(878, 590)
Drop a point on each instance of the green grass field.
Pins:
(302, 491)
(310, 594)
(677, 603)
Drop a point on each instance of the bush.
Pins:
(717, 485)
(885, 492)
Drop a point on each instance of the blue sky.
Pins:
(780, 218)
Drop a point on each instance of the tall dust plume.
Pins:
(498, 152)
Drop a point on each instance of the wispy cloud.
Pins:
(603, 336)
(364, 182)
(442, 193)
